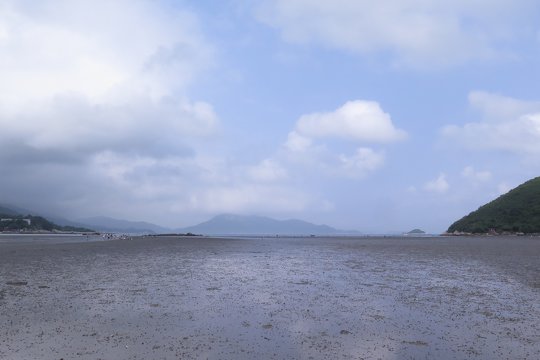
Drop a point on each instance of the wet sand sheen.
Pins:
(168, 298)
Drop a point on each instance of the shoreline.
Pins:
(45, 232)
(491, 233)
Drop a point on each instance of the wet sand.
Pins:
(303, 298)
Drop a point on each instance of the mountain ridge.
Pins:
(108, 224)
(223, 224)
(231, 224)
(97, 223)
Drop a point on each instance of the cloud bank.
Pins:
(86, 76)
(506, 124)
(95, 98)
(416, 33)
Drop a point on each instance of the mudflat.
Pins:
(270, 298)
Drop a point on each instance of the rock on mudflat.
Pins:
(17, 283)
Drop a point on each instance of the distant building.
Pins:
(28, 221)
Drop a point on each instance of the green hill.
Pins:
(29, 223)
(516, 211)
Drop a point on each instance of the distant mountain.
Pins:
(5, 210)
(21, 221)
(107, 224)
(64, 222)
(8, 209)
(228, 224)
(516, 211)
(98, 223)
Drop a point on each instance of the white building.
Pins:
(28, 221)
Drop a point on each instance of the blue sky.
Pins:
(374, 116)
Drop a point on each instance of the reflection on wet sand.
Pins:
(388, 298)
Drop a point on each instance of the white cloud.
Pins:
(358, 120)
(268, 170)
(438, 185)
(298, 143)
(101, 75)
(74, 124)
(97, 49)
(498, 108)
(507, 124)
(95, 113)
(183, 186)
(322, 160)
(247, 198)
(417, 32)
(312, 143)
(470, 173)
(364, 161)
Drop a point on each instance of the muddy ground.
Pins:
(301, 298)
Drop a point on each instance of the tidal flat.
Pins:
(270, 298)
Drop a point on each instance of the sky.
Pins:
(377, 116)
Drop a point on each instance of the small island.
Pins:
(416, 232)
(516, 212)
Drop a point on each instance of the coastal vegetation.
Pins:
(29, 223)
(517, 211)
